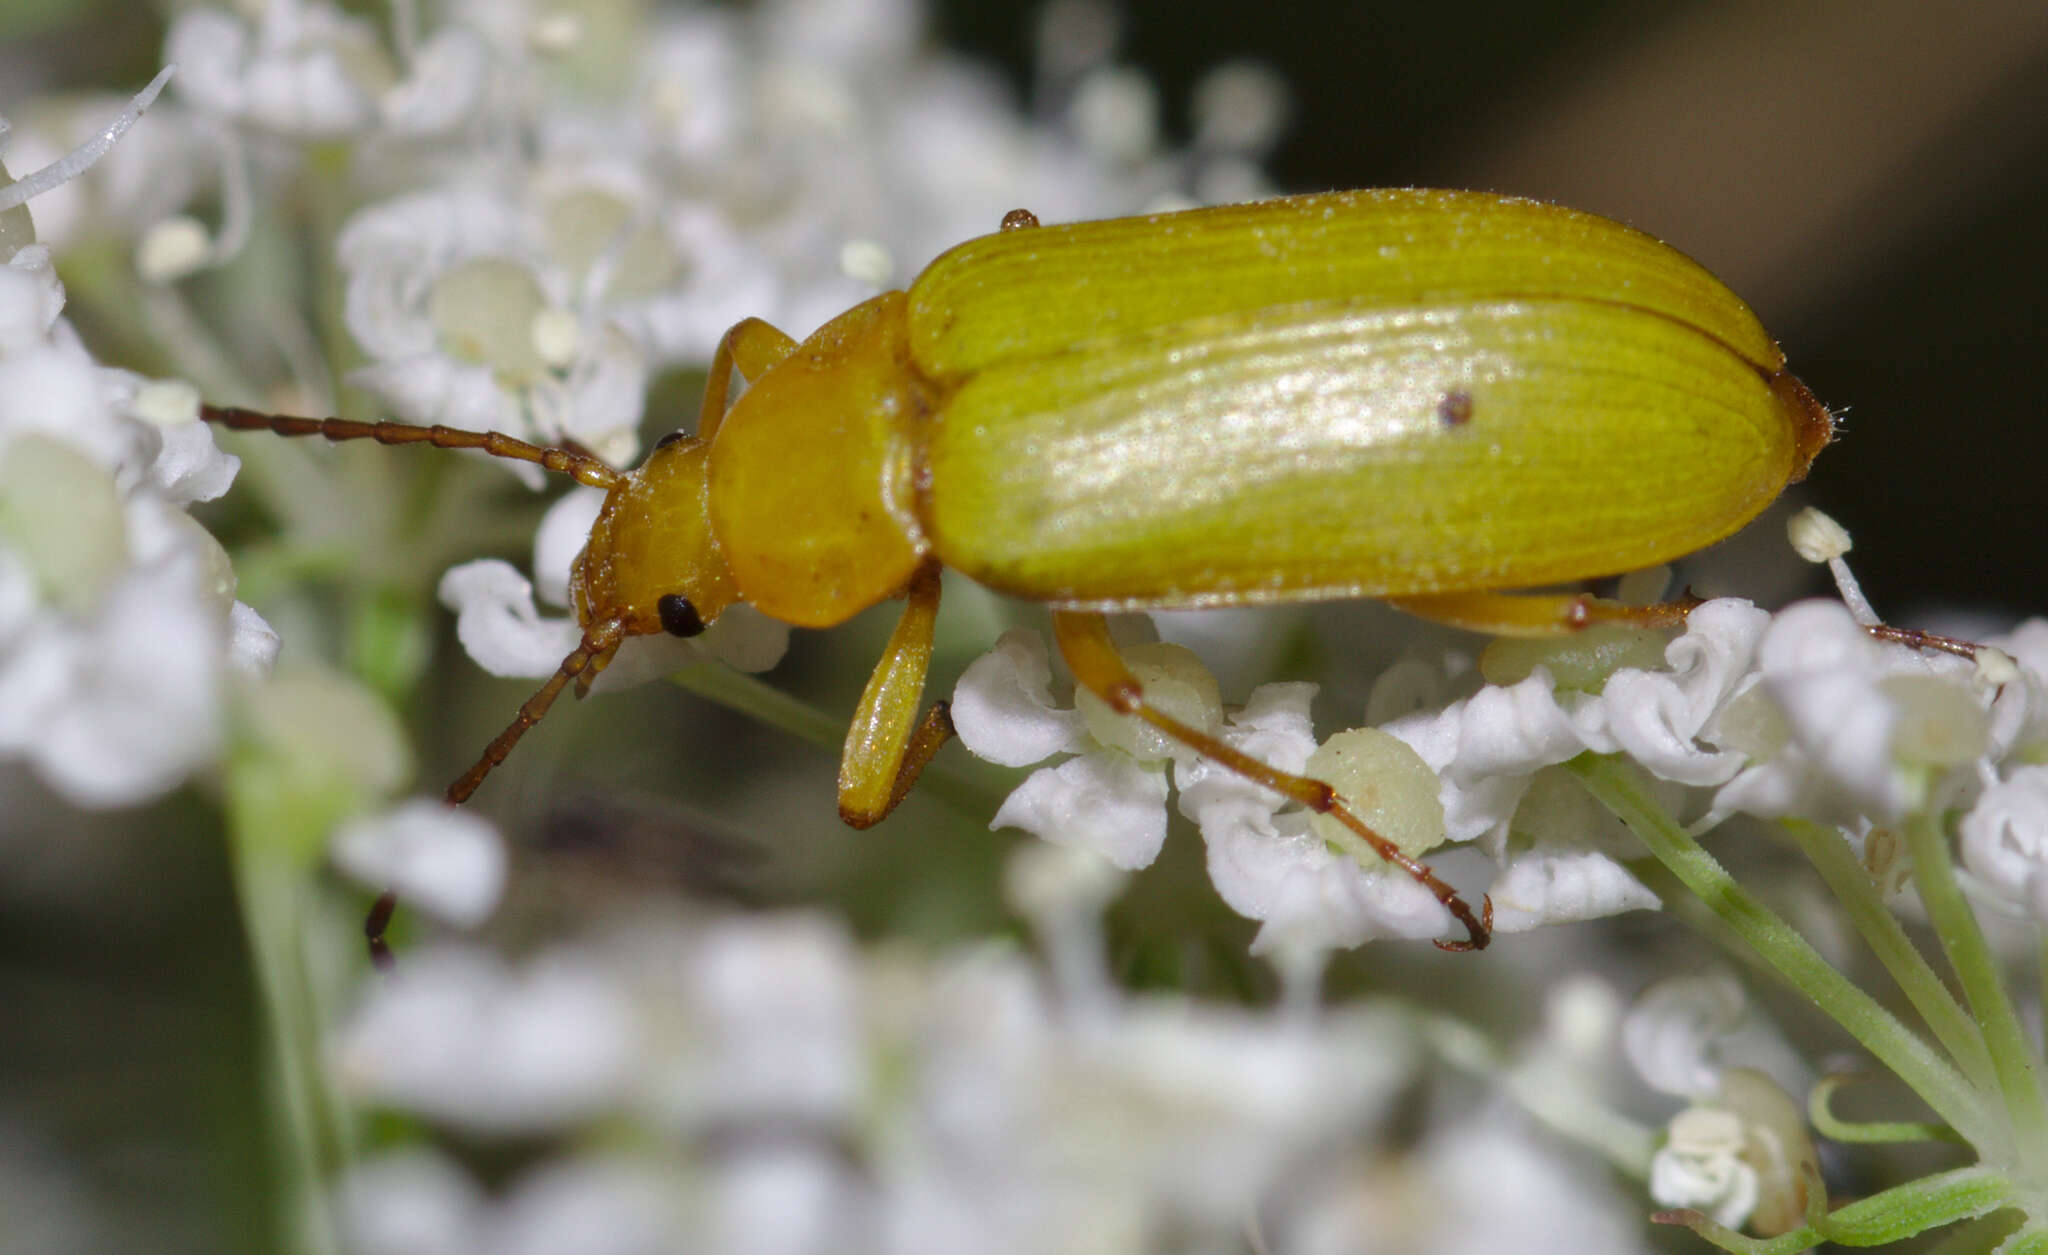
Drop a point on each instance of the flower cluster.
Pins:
(770, 1086)
(1801, 713)
(119, 628)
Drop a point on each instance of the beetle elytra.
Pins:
(1422, 396)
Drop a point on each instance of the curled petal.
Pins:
(1654, 720)
(1674, 1031)
(1700, 1167)
(1560, 886)
(1002, 706)
(2004, 842)
(1107, 802)
(498, 624)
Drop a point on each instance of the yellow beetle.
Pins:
(1424, 396)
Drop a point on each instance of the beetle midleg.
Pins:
(750, 346)
(884, 755)
(1086, 645)
(1538, 614)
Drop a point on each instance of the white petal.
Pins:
(1305, 892)
(1514, 730)
(409, 1202)
(1560, 886)
(448, 862)
(1107, 802)
(253, 645)
(1274, 727)
(563, 531)
(776, 998)
(1654, 721)
(1700, 1167)
(31, 299)
(593, 1204)
(454, 1036)
(1673, 1033)
(600, 406)
(434, 388)
(2004, 839)
(445, 87)
(311, 94)
(122, 712)
(190, 466)
(498, 625)
(209, 47)
(1002, 706)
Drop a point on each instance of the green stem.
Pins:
(1569, 1109)
(971, 790)
(305, 1126)
(1955, 924)
(1951, 1024)
(1915, 1062)
(1890, 1216)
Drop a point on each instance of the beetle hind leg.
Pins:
(1086, 645)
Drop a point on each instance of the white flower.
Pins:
(1486, 1183)
(118, 623)
(457, 296)
(303, 69)
(1841, 728)
(449, 863)
(776, 1011)
(416, 1202)
(1676, 1029)
(2003, 842)
(457, 1037)
(1700, 1166)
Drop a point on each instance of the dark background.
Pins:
(1872, 177)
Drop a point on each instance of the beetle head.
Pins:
(652, 563)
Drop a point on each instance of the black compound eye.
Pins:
(678, 616)
(669, 439)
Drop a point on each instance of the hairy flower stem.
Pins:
(1953, 1027)
(306, 1127)
(2012, 1055)
(1919, 1065)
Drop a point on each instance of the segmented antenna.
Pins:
(579, 466)
(599, 642)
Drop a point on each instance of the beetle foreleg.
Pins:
(1539, 614)
(600, 642)
(749, 346)
(884, 755)
(1086, 645)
